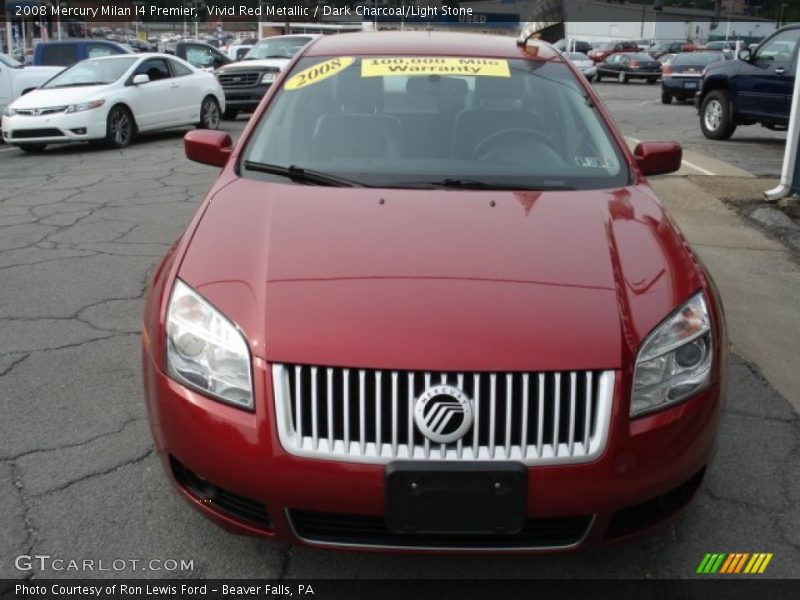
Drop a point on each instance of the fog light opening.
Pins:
(79, 131)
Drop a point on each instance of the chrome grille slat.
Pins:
(357, 415)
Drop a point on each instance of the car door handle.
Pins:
(780, 71)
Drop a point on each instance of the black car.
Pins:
(757, 88)
(626, 66)
(680, 78)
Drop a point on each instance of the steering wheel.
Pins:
(515, 139)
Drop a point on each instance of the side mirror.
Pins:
(657, 158)
(208, 147)
(744, 55)
(140, 79)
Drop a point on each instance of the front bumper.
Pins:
(650, 470)
(56, 128)
(245, 99)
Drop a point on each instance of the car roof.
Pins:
(422, 43)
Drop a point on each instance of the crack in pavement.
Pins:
(138, 459)
(125, 424)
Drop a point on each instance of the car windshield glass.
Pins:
(697, 58)
(9, 62)
(92, 72)
(578, 56)
(401, 121)
(277, 48)
(644, 57)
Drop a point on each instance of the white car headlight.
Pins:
(268, 77)
(9, 112)
(675, 360)
(73, 108)
(205, 350)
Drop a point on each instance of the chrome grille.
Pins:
(239, 79)
(366, 415)
(39, 112)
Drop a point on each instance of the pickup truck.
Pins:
(246, 82)
(16, 80)
(756, 88)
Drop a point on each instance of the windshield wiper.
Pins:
(476, 184)
(301, 174)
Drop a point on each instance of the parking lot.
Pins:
(80, 230)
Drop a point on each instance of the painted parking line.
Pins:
(696, 168)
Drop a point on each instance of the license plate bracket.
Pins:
(446, 498)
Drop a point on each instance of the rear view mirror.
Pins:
(208, 147)
(744, 55)
(140, 79)
(657, 158)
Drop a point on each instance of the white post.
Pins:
(792, 144)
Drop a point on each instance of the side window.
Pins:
(179, 70)
(780, 48)
(59, 55)
(98, 50)
(154, 68)
(200, 56)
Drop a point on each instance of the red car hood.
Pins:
(443, 280)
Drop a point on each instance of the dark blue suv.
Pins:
(757, 88)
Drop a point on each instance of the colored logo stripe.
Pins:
(734, 563)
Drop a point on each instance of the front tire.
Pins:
(32, 148)
(666, 98)
(209, 114)
(652, 80)
(120, 128)
(598, 77)
(622, 77)
(716, 119)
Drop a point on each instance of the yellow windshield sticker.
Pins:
(434, 65)
(318, 72)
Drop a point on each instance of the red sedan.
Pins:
(431, 303)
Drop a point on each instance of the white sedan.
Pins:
(584, 64)
(112, 99)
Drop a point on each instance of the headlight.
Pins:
(675, 360)
(205, 350)
(9, 112)
(268, 77)
(73, 108)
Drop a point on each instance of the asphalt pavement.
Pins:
(80, 230)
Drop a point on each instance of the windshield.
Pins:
(9, 62)
(421, 122)
(697, 58)
(277, 48)
(92, 72)
(578, 56)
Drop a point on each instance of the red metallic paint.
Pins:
(320, 275)
(657, 158)
(208, 147)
